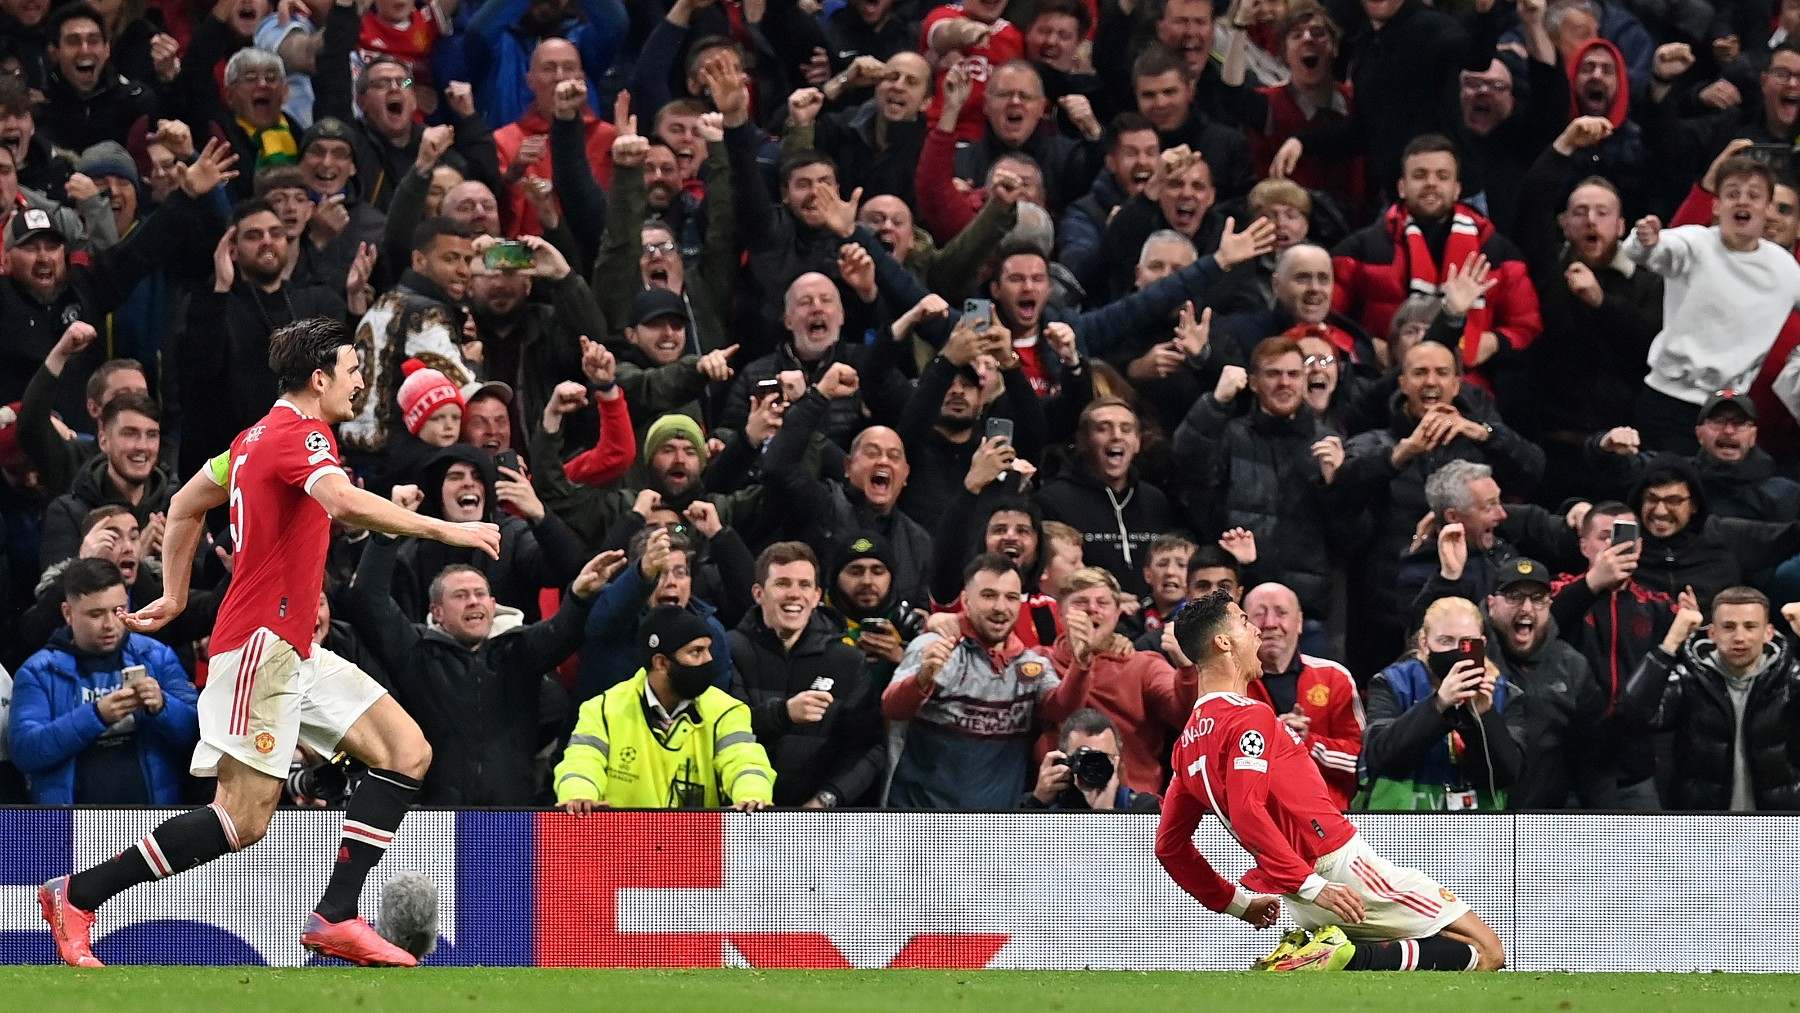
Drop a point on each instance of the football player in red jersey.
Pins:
(1237, 761)
(270, 687)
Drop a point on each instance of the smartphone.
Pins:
(1624, 532)
(508, 255)
(132, 673)
(1002, 428)
(1776, 156)
(508, 458)
(878, 625)
(979, 308)
(766, 387)
(1473, 649)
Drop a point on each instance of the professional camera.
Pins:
(329, 782)
(1091, 767)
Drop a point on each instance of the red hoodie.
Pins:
(1621, 100)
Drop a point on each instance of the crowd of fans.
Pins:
(862, 387)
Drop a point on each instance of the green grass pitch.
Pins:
(504, 990)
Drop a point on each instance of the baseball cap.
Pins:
(29, 222)
(652, 303)
(1521, 571)
(326, 128)
(477, 388)
(1737, 399)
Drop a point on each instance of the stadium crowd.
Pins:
(861, 387)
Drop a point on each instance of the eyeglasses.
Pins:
(1672, 502)
(653, 249)
(1319, 361)
(1734, 422)
(1782, 75)
(389, 83)
(260, 77)
(1538, 599)
(1482, 86)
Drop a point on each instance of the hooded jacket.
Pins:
(54, 719)
(1623, 157)
(845, 752)
(479, 707)
(1116, 527)
(532, 556)
(1710, 553)
(92, 488)
(1686, 693)
(1749, 489)
(1554, 709)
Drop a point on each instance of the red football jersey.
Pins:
(1236, 761)
(279, 533)
(1003, 43)
(411, 42)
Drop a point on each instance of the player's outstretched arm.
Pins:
(187, 522)
(359, 508)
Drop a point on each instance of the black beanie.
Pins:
(666, 629)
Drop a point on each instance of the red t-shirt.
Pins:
(1236, 761)
(279, 533)
(1004, 43)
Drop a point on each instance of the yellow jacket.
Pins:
(706, 758)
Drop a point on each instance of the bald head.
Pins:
(1302, 282)
(877, 467)
(814, 315)
(1275, 610)
(552, 62)
(471, 203)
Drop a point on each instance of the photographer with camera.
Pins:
(1083, 771)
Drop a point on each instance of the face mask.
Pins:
(1441, 662)
(689, 681)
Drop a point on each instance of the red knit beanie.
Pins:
(423, 392)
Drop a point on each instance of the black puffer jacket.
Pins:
(845, 752)
(532, 556)
(1686, 693)
(1553, 708)
(1396, 499)
(93, 487)
(1255, 470)
(480, 708)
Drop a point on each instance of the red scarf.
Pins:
(1427, 278)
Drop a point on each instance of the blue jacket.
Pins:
(497, 55)
(610, 655)
(52, 722)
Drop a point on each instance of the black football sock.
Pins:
(194, 838)
(1433, 953)
(374, 813)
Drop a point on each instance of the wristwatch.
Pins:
(827, 798)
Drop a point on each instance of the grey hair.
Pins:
(1448, 487)
(1034, 228)
(1560, 9)
(250, 59)
(1284, 261)
(1165, 236)
(1417, 309)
